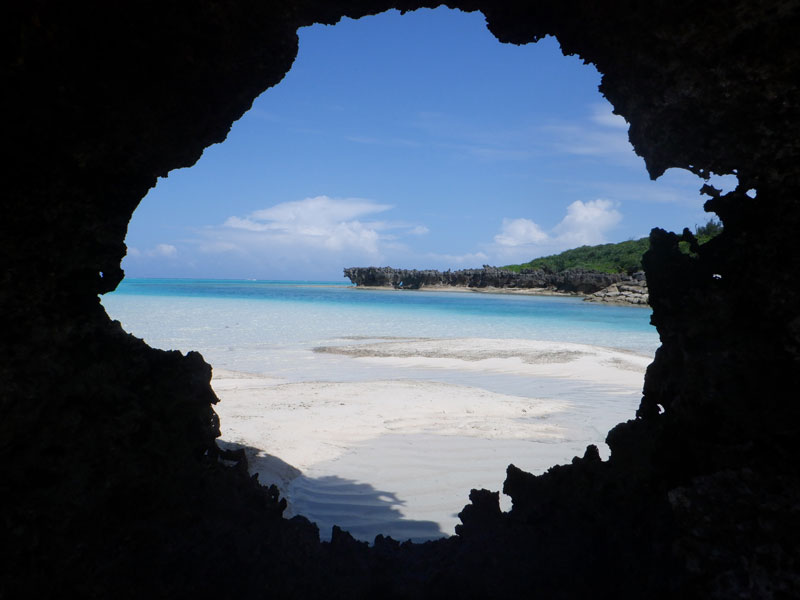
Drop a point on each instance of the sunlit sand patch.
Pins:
(310, 422)
(399, 457)
(525, 357)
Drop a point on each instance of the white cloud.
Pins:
(587, 223)
(320, 210)
(519, 232)
(314, 234)
(164, 250)
(584, 141)
(602, 114)
(321, 222)
(603, 135)
(158, 251)
(245, 223)
(221, 247)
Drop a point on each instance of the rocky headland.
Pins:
(616, 288)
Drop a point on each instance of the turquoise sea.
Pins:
(262, 326)
(396, 481)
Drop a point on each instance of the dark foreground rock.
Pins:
(112, 484)
(576, 281)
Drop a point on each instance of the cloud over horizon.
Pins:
(320, 222)
(317, 234)
(520, 232)
(585, 224)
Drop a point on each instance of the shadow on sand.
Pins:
(356, 507)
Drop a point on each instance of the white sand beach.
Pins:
(399, 456)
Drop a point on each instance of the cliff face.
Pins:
(112, 484)
(632, 291)
(570, 281)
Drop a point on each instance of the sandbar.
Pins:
(399, 456)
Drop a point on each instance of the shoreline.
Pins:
(467, 289)
(599, 286)
(463, 289)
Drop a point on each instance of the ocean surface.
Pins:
(270, 329)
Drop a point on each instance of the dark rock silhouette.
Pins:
(112, 483)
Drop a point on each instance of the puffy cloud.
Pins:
(587, 223)
(320, 222)
(316, 235)
(519, 232)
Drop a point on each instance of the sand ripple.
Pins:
(399, 456)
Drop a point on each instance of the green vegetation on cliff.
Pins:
(622, 257)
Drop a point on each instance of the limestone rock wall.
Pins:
(571, 280)
(112, 484)
(631, 291)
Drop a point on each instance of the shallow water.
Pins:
(272, 328)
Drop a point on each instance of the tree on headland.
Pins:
(622, 257)
(712, 228)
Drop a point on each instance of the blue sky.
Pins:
(414, 141)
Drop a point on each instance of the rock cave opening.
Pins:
(189, 225)
(113, 484)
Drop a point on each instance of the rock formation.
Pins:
(112, 484)
(578, 281)
(632, 290)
